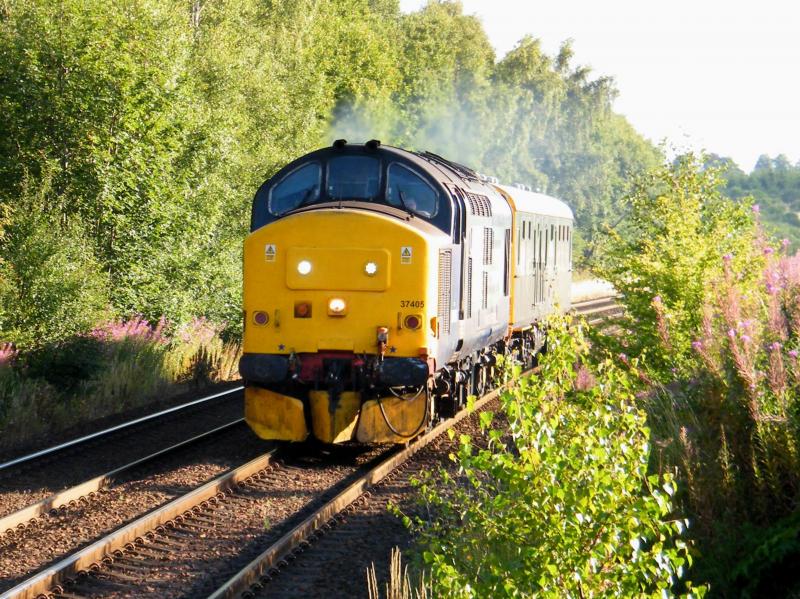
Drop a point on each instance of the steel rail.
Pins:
(124, 425)
(86, 558)
(22, 516)
(251, 573)
(599, 303)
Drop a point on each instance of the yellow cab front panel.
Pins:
(328, 294)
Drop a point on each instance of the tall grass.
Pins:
(399, 585)
(119, 365)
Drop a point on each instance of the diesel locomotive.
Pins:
(380, 285)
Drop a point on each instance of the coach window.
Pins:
(354, 178)
(299, 187)
(407, 190)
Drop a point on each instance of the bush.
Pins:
(51, 285)
(666, 252)
(120, 364)
(560, 504)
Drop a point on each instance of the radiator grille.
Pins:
(488, 245)
(485, 290)
(469, 288)
(445, 285)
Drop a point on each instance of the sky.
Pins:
(715, 75)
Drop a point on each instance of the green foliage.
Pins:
(559, 503)
(677, 229)
(52, 285)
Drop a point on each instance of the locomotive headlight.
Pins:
(370, 268)
(337, 307)
(304, 267)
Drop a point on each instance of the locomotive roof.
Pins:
(537, 203)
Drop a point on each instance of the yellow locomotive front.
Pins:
(340, 296)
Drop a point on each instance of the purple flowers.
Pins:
(793, 354)
(8, 352)
(727, 258)
(697, 346)
(135, 328)
(775, 346)
(756, 208)
(768, 250)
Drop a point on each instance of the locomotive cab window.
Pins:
(406, 189)
(299, 187)
(354, 178)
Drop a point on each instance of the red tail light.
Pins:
(302, 310)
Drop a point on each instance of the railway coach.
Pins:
(381, 284)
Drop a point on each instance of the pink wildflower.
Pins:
(731, 333)
(697, 345)
(768, 250)
(727, 257)
(8, 352)
(793, 353)
(756, 208)
(746, 339)
(785, 242)
(775, 346)
(657, 299)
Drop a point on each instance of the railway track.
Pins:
(598, 311)
(10, 467)
(211, 540)
(28, 479)
(182, 547)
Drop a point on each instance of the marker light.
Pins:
(337, 306)
(370, 268)
(260, 318)
(304, 267)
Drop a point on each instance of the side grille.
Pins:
(469, 287)
(485, 290)
(488, 245)
(445, 280)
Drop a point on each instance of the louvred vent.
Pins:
(479, 204)
(445, 284)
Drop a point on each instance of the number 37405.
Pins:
(412, 303)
